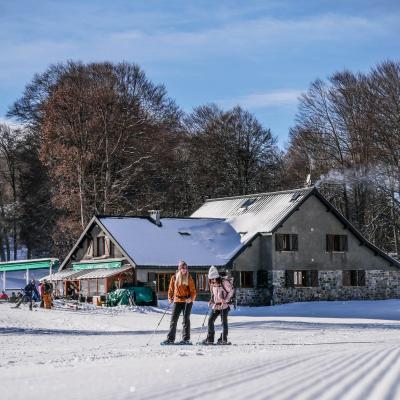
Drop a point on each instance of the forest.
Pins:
(103, 139)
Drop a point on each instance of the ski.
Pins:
(214, 344)
(177, 344)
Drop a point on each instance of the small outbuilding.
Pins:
(15, 275)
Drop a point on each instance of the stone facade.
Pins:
(379, 284)
(253, 296)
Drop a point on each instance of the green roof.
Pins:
(22, 265)
(96, 264)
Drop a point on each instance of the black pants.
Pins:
(25, 297)
(177, 309)
(211, 320)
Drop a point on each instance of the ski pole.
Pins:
(204, 321)
(159, 322)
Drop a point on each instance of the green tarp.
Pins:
(94, 265)
(138, 295)
(29, 264)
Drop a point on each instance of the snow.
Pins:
(264, 215)
(204, 242)
(319, 350)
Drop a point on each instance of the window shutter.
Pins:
(250, 278)
(236, 278)
(329, 242)
(305, 278)
(361, 277)
(314, 278)
(346, 278)
(295, 243)
(353, 277)
(262, 278)
(289, 278)
(278, 242)
(345, 246)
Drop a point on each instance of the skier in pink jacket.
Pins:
(221, 293)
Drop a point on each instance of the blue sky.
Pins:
(259, 54)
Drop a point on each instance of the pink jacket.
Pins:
(221, 295)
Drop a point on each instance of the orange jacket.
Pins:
(183, 292)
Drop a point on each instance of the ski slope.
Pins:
(322, 350)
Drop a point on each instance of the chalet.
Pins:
(280, 247)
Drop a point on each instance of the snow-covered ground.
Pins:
(321, 350)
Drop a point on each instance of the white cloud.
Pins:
(276, 98)
(241, 38)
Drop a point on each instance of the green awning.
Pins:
(94, 265)
(28, 264)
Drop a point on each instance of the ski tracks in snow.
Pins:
(364, 372)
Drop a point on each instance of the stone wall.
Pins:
(253, 296)
(379, 284)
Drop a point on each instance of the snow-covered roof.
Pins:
(104, 272)
(200, 242)
(252, 214)
(64, 274)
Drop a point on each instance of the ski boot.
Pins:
(167, 342)
(185, 343)
(223, 342)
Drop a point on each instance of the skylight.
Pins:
(295, 196)
(247, 203)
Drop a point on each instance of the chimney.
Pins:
(155, 216)
(308, 182)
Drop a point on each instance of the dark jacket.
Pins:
(31, 289)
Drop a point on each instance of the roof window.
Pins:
(247, 203)
(295, 196)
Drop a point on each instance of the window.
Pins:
(247, 203)
(101, 286)
(202, 282)
(162, 281)
(286, 242)
(92, 287)
(295, 196)
(355, 277)
(84, 289)
(100, 246)
(304, 278)
(336, 243)
(246, 279)
(299, 278)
